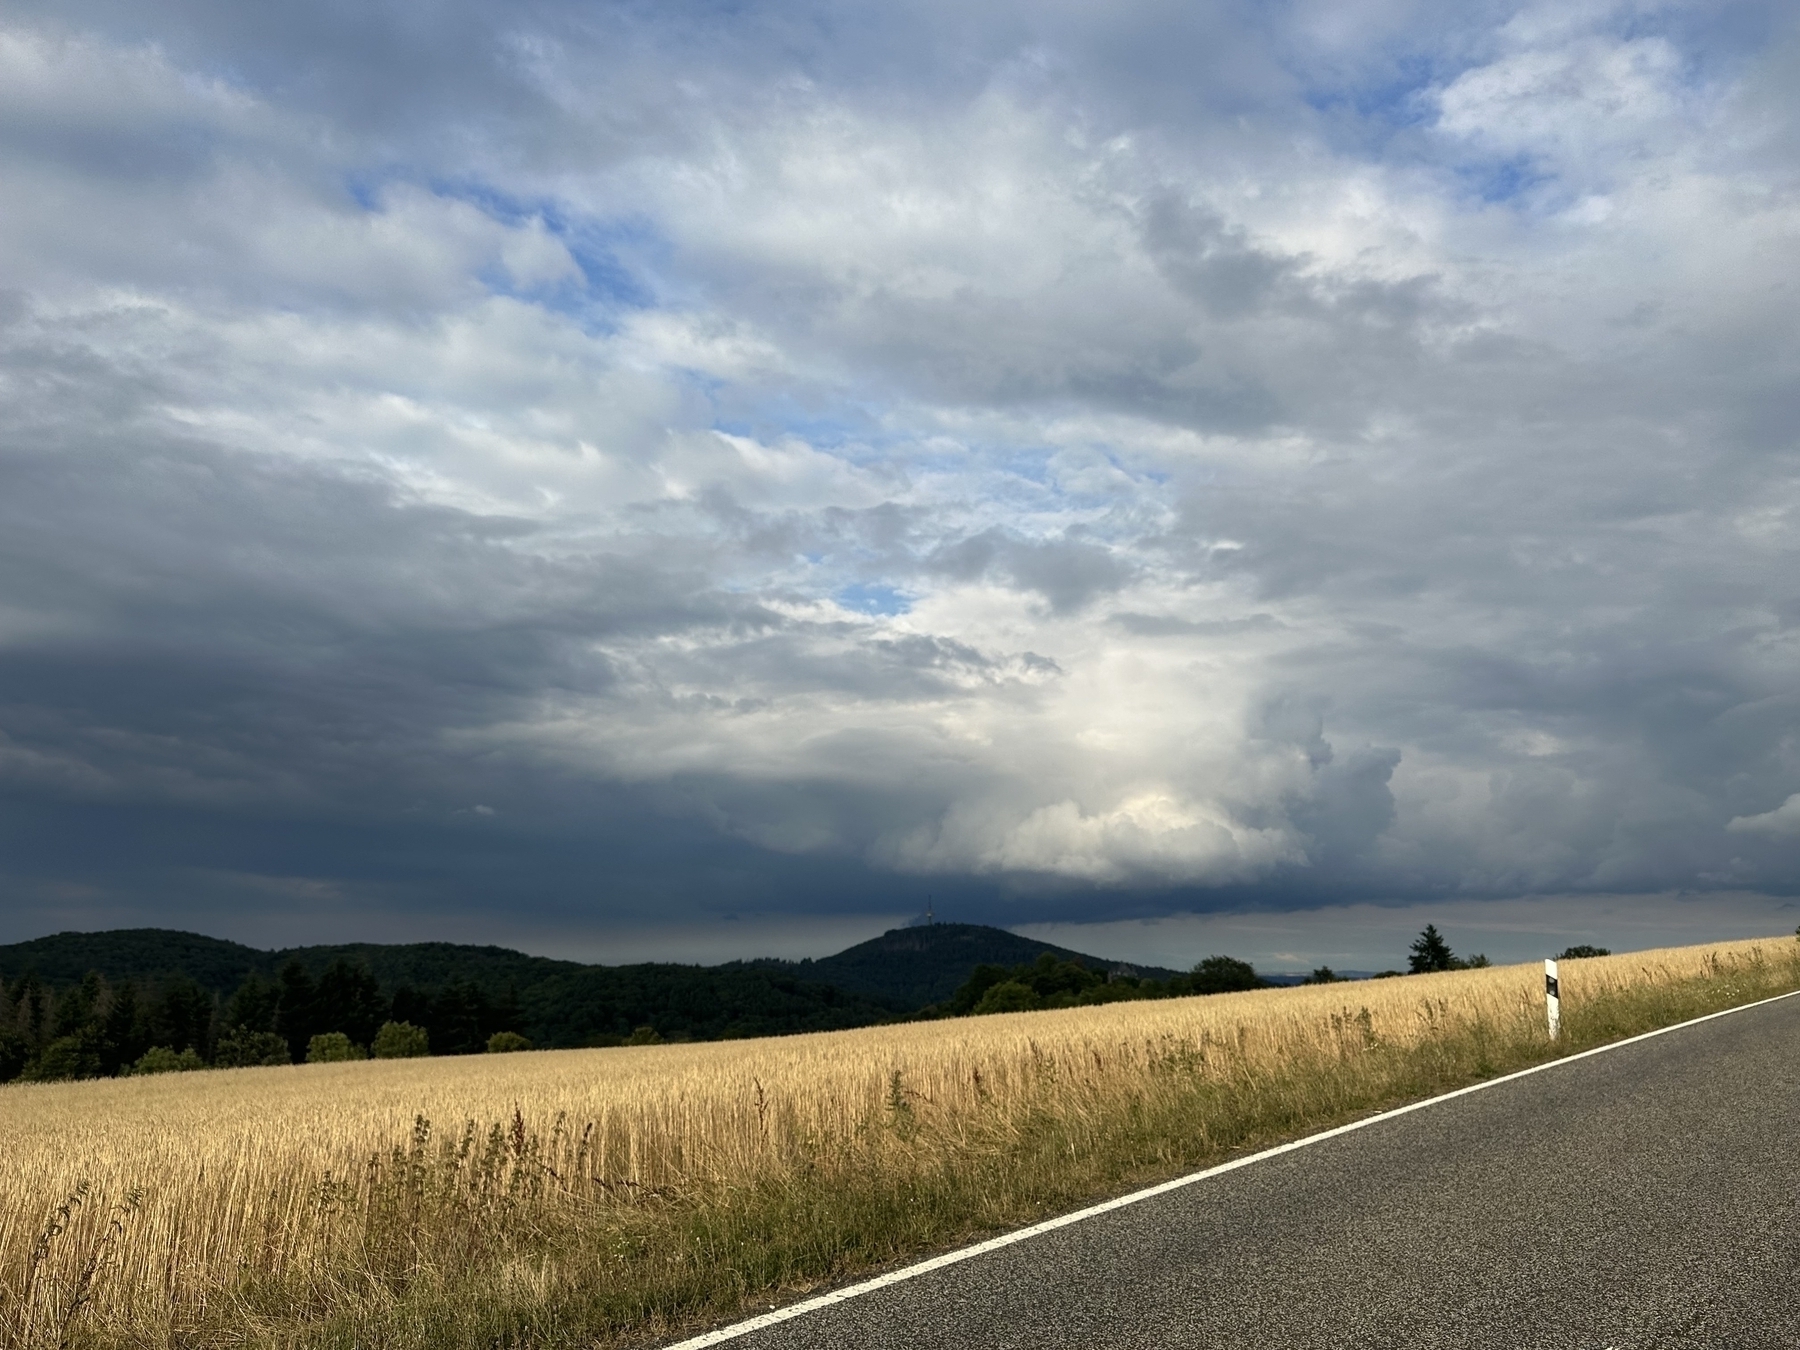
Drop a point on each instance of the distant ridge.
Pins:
(912, 967)
(219, 966)
(214, 964)
(560, 1003)
(568, 1003)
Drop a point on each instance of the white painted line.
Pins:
(769, 1319)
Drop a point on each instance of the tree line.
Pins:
(1053, 982)
(1431, 952)
(99, 1027)
(103, 1028)
(1050, 982)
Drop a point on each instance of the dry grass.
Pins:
(577, 1197)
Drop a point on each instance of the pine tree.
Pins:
(1430, 952)
(349, 1000)
(297, 1018)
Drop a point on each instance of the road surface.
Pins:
(1646, 1197)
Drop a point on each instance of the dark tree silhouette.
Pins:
(181, 1017)
(1224, 975)
(254, 1006)
(297, 1020)
(124, 1033)
(1430, 952)
(349, 1000)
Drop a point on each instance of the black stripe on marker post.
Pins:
(1552, 999)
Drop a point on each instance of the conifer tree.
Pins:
(1430, 952)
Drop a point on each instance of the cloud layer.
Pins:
(635, 463)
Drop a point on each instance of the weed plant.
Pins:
(610, 1196)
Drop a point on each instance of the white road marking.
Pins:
(769, 1319)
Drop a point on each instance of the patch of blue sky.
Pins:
(365, 189)
(852, 433)
(1030, 463)
(1399, 99)
(601, 257)
(1047, 471)
(849, 427)
(609, 283)
(565, 295)
(618, 257)
(702, 387)
(1502, 180)
(874, 597)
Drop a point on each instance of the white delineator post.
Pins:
(1552, 1000)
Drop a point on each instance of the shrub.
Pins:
(1009, 996)
(983, 978)
(161, 1059)
(401, 1040)
(644, 1036)
(333, 1047)
(1051, 983)
(505, 1042)
(240, 1048)
(65, 1057)
(1224, 975)
(15, 1054)
(1581, 950)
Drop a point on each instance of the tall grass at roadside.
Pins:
(583, 1197)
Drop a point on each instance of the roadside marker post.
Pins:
(1552, 1000)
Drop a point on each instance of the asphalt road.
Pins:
(1647, 1197)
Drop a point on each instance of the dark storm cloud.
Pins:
(625, 464)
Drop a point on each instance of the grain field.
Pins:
(599, 1196)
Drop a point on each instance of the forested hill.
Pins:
(214, 964)
(911, 967)
(902, 970)
(183, 989)
(220, 966)
(103, 999)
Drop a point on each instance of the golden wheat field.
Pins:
(190, 1188)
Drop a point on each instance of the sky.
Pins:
(698, 480)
